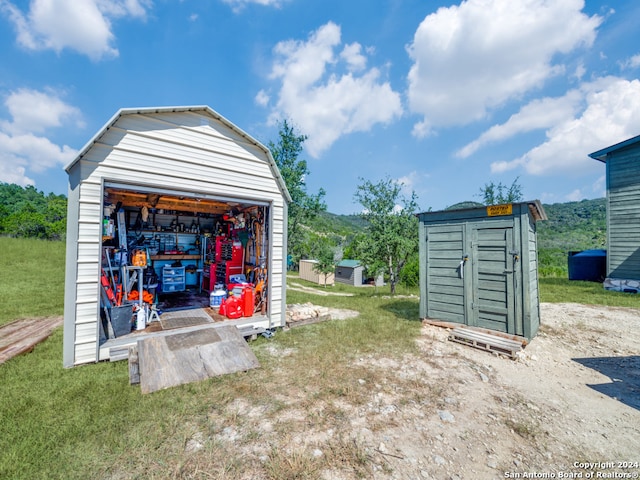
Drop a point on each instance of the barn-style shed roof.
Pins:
(197, 108)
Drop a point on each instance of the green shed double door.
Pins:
(472, 274)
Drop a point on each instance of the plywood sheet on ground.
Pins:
(188, 357)
(22, 335)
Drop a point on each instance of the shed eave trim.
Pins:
(601, 155)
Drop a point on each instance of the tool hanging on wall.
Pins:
(122, 229)
(104, 281)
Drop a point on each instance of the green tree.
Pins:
(392, 227)
(304, 206)
(493, 194)
(323, 253)
(27, 212)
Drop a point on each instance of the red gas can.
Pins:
(234, 307)
(247, 301)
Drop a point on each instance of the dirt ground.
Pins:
(568, 407)
(570, 401)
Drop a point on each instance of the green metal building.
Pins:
(622, 162)
(479, 267)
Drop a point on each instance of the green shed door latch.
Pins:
(465, 257)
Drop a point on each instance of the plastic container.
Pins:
(141, 319)
(588, 265)
(216, 296)
(233, 307)
(247, 302)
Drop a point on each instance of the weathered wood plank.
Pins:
(440, 323)
(484, 341)
(182, 358)
(22, 336)
(309, 321)
(134, 366)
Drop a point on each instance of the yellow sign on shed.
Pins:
(498, 210)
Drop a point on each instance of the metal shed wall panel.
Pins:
(623, 214)
(181, 151)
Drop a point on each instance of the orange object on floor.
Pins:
(134, 295)
(248, 301)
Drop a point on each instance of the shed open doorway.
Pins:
(174, 200)
(172, 252)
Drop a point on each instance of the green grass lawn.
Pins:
(88, 422)
(31, 278)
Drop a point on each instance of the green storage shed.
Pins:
(622, 162)
(479, 267)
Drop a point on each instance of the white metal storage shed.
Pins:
(195, 161)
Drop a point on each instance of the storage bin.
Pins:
(122, 320)
(588, 265)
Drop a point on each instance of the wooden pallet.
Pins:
(486, 341)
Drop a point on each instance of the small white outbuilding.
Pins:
(174, 179)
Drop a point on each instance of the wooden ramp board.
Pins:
(486, 341)
(22, 336)
(171, 360)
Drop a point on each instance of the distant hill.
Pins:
(572, 226)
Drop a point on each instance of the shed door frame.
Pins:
(143, 188)
(494, 276)
(452, 286)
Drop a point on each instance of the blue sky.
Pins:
(442, 96)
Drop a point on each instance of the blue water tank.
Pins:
(588, 265)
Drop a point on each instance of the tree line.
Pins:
(383, 236)
(28, 212)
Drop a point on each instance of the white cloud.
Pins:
(83, 26)
(611, 115)
(238, 5)
(35, 111)
(22, 150)
(471, 58)
(353, 56)
(262, 98)
(599, 187)
(538, 114)
(633, 62)
(575, 196)
(326, 101)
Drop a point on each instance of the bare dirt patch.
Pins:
(448, 411)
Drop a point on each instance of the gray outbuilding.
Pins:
(349, 272)
(182, 178)
(622, 162)
(479, 267)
